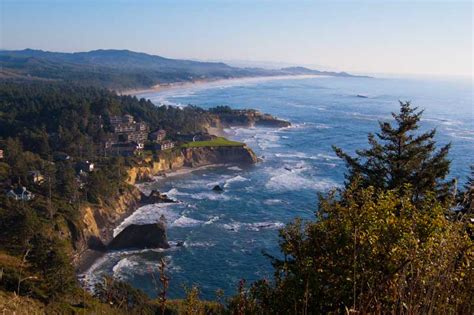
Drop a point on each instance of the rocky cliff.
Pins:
(97, 221)
(141, 236)
(95, 228)
(190, 157)
(224, 117)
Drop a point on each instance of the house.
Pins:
(165, 145)
(126, 149)
(84, 167)
(134, 136)
(35, 177)
(123, 127)
(141, 126)
(126, 129)
(127, 119)
(20, 193)
(1, 154)
(157, 136)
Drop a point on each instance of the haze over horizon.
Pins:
(400, 37)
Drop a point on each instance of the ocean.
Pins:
(226, 234)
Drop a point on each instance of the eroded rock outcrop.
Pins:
(141, 236)
(226, 117)
(190, 157)
(201, 156)
(155, 197)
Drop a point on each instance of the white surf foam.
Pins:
(234, 168)
(273, 201)
(184, 221)
(212, 220)
(199, 244)
(296, 178)
(256, 226)
(235, 179)
(211, 196)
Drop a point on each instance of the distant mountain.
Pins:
(124, 69)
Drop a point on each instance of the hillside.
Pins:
(124, 69)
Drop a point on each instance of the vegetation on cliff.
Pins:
(216, 142)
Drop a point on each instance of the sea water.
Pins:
(226, 234)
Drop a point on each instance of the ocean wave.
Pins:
(446, 122)
(234, 168)
(199, 244)
(235, 179)
(462, 134)
(121, 268)
(322, 126)
(173, 193)
(273, 201)
(212, 220)
(132, 265)
(212, 196)
(295, 178)
(305, 156)
(184, 221)
(256, 226)
(327, 157)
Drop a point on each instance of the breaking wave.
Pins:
(256, 226)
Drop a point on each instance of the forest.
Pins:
(396, 238)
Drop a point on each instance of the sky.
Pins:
(367, 36)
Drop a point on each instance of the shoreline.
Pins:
(89, 257)
(209, 83)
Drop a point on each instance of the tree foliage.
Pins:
(398, 156)
(372, 251)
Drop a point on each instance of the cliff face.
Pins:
(194, 157)
(151, 235)
(190, 157)
(245, 118)
(94, 230)
(97, 221)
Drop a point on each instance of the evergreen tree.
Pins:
(467, 201)
(398, 156)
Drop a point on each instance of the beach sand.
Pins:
(211, 83)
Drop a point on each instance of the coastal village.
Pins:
(128, 138)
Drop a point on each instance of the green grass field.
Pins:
(217, 142)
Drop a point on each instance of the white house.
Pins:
(20, 193)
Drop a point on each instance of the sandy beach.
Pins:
(212, 83)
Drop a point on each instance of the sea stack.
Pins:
(141, 236)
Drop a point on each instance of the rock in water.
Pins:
(217, 188)
(155, 197)
(141, 236)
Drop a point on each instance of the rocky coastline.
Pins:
(93, 237)
(95, 234)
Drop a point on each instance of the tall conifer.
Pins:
(398, 156)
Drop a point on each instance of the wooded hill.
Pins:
(124, 69)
